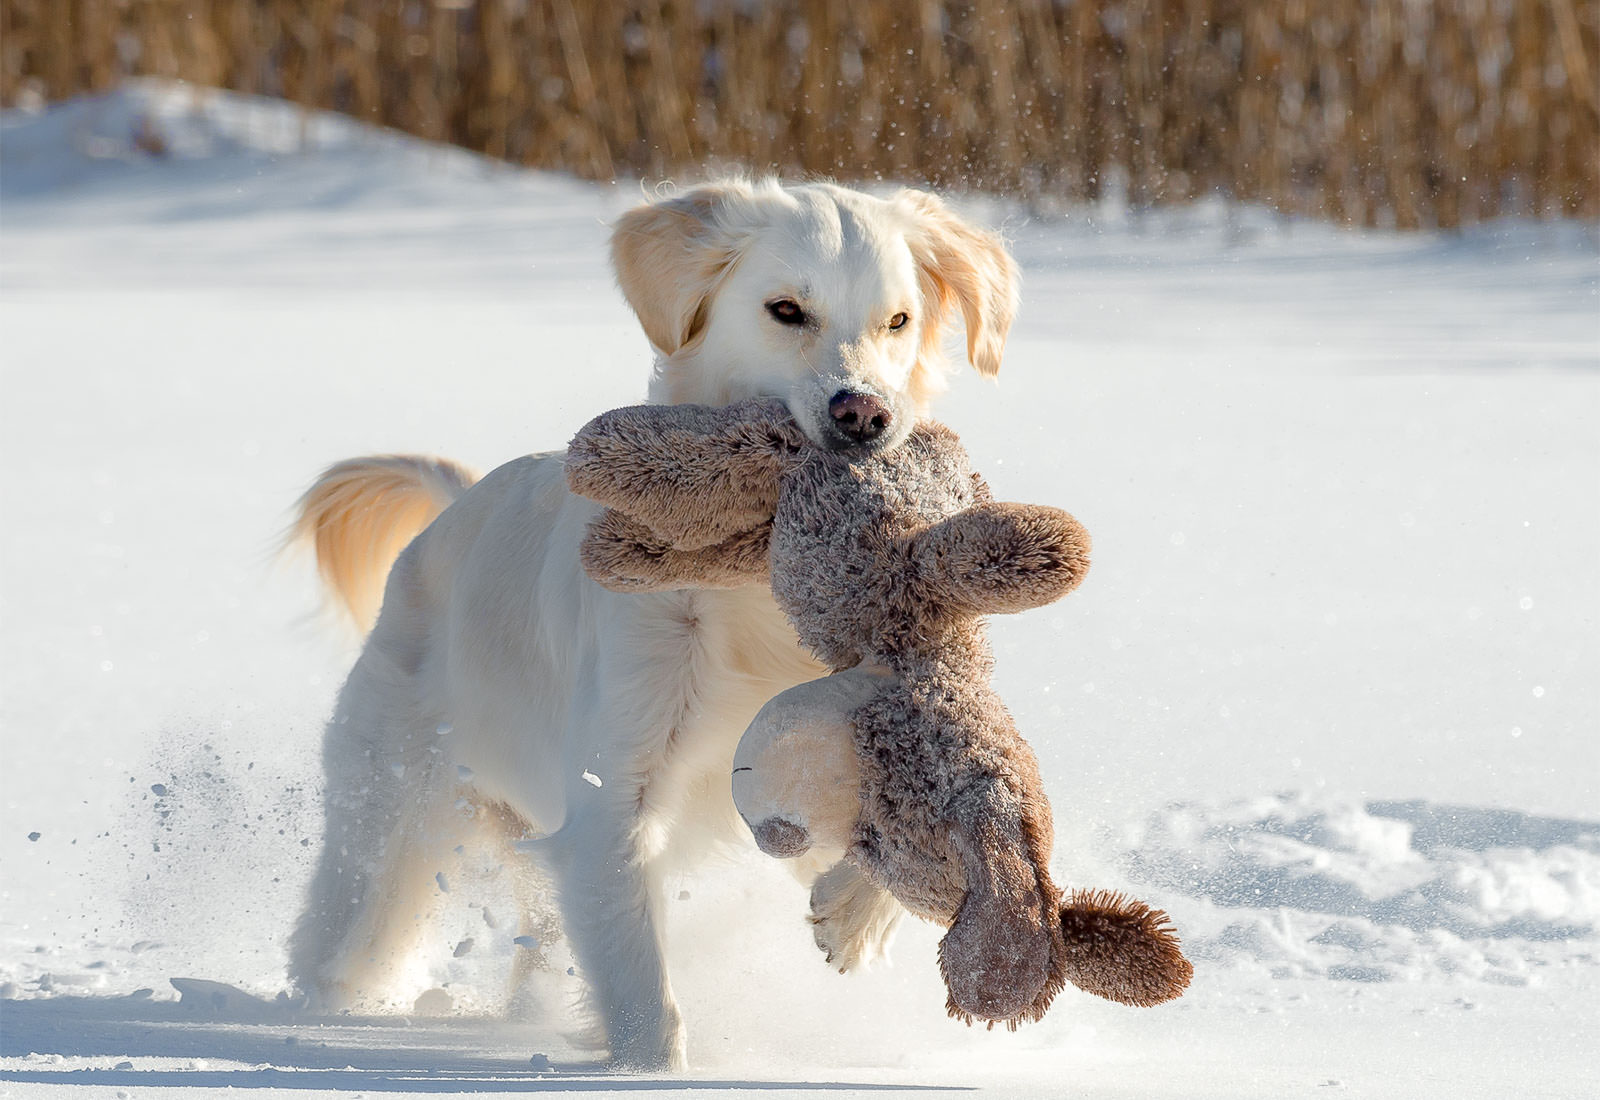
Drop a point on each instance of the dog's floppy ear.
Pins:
(669, 256)
(961, 265)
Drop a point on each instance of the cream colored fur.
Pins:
(362, 512)
(496, 672)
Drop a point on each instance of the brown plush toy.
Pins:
(904, 761)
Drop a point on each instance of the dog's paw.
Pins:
(852, 920)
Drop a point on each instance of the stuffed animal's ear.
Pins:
(961, 266)
(996, 557)
(1122, 949)
(622, 554)
(669, 256)
(694, 475)
(998, 959)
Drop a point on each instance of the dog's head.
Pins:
(830, 299)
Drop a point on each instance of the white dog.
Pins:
(499, 674)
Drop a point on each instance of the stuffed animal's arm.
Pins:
(622, 554)
(997, 557)
(693, 474)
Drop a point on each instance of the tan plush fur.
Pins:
(886, 562)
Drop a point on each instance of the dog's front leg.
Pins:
(610, 905)
(852, 918)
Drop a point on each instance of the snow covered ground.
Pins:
(1331, 694)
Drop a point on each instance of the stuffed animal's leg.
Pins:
(695, 475)
(999, 959)
(622, 554)
(1122, 949)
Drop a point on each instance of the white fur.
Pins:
(498, 673)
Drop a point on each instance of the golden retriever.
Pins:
(501, 691)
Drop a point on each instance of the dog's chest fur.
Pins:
(734, 650)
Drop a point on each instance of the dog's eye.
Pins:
(786, 311)
(899, 321)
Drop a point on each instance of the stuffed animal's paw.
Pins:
(852, 920)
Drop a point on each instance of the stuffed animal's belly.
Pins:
(838, 540)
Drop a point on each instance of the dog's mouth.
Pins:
(826, 437)
(847, 447)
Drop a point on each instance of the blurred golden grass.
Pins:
(1404, 112)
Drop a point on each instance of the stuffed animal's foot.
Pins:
(852, 919)
(1122, 949)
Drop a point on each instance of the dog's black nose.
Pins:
(859, 417)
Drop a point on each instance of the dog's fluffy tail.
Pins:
(362, 512)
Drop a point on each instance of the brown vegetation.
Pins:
(1414, 112)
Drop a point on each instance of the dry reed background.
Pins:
(1405, 112)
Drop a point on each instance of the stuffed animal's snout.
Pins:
(781, 838)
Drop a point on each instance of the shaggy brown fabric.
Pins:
(695, 477)
(891, 559)
(1122, 949)
(634, 558)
